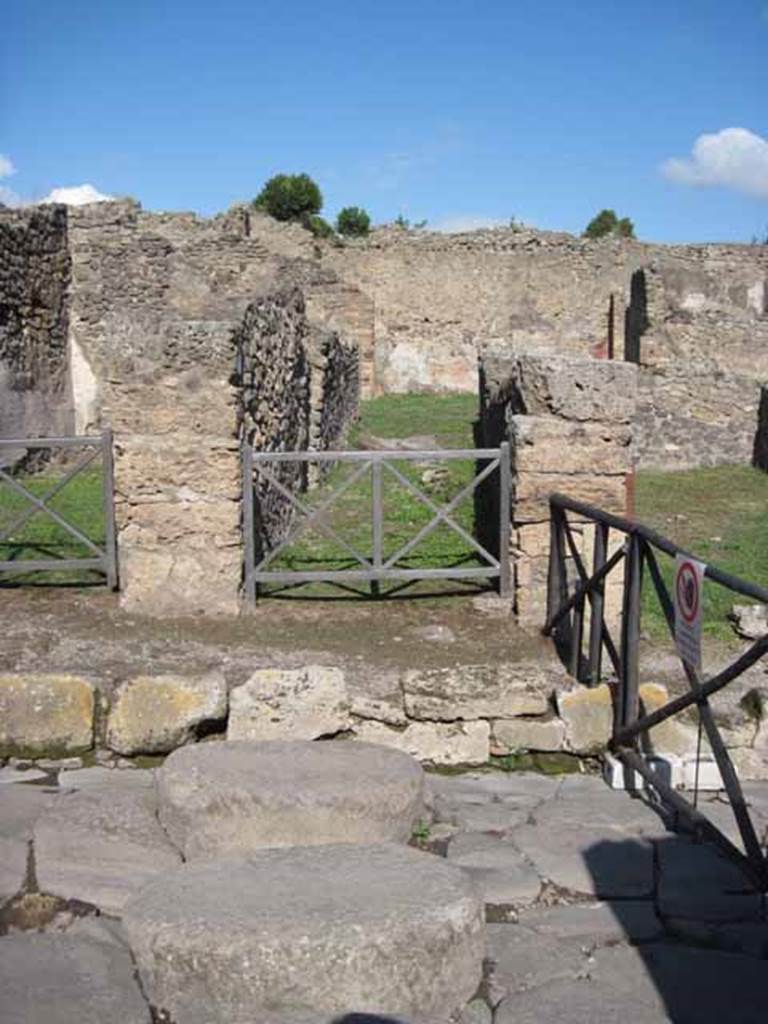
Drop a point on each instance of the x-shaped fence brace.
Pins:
(377, 567)
(565, 622)
(104, 557)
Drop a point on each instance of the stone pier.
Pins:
(569, 423)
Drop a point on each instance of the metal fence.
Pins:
(373, 567)
(102, 556)
(566, 621)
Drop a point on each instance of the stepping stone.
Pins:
(343, 928)
(101, 845)
(62, 979)
(496, 867)
(218, 798)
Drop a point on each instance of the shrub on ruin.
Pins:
(289, 197)
(607, 223)
(319, 226)
(353, 222)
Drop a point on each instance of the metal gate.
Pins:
(261, 470)
(102, 557)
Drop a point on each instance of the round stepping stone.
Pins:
(218, 798)
(335, 929)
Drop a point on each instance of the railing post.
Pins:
(505, 522)
(630, 633)
(249, 546)
(378, 522)
(110, 533)
(598, 602)
(557, 589)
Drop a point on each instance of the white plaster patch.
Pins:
(757, 299)
(85, 389)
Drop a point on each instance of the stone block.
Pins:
(156, 468)
(189, 523)
(544, 444)
(175, 580)
(531, 493)
(528, 734)
(220, 798)
(45, 715)
(497, 868)
(282, 704)
(440, 743)
(588, 717)
(470, 692)
(572, 388)
(310, 933)
(156, 714)
(190, 402)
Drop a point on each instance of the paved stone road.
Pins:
(596, 911)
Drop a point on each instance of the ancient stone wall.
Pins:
(569, 424)
(161, 305)
(34, 277)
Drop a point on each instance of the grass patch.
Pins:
(717, 514)
(447, 418)
(79, 503)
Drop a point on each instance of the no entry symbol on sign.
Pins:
(689, 578)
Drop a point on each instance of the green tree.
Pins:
(353, 222)
(290, 197)
(607, 223)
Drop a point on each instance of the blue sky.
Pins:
(449, 110)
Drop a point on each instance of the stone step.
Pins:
(326, 930)
(227, 797)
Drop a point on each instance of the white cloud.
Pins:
(467, 222)
(76, 195)
(734, 157)
(6, 167)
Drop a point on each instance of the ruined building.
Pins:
(187, 336)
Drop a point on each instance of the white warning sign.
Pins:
(689, 588)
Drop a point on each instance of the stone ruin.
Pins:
(189, 336)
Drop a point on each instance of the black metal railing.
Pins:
(575, 590)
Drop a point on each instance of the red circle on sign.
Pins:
(687, 587)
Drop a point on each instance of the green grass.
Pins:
(79, 503)
(446, 418)
(716, 514)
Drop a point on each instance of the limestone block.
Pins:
(62, 978)
(313, 933)
(674, 736)
(528, 734)
(376, 695)
(152, 468)
(174, 581)
(101, 845)
(588, 717)
(189, 402)
(192, 522)
(751, 765)
(156, 714)
(544, 444)
(531, 493)
(479, 691)
(553, 384)
(281, 704)
(45, 715)
(220, 798)
(433, 742)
